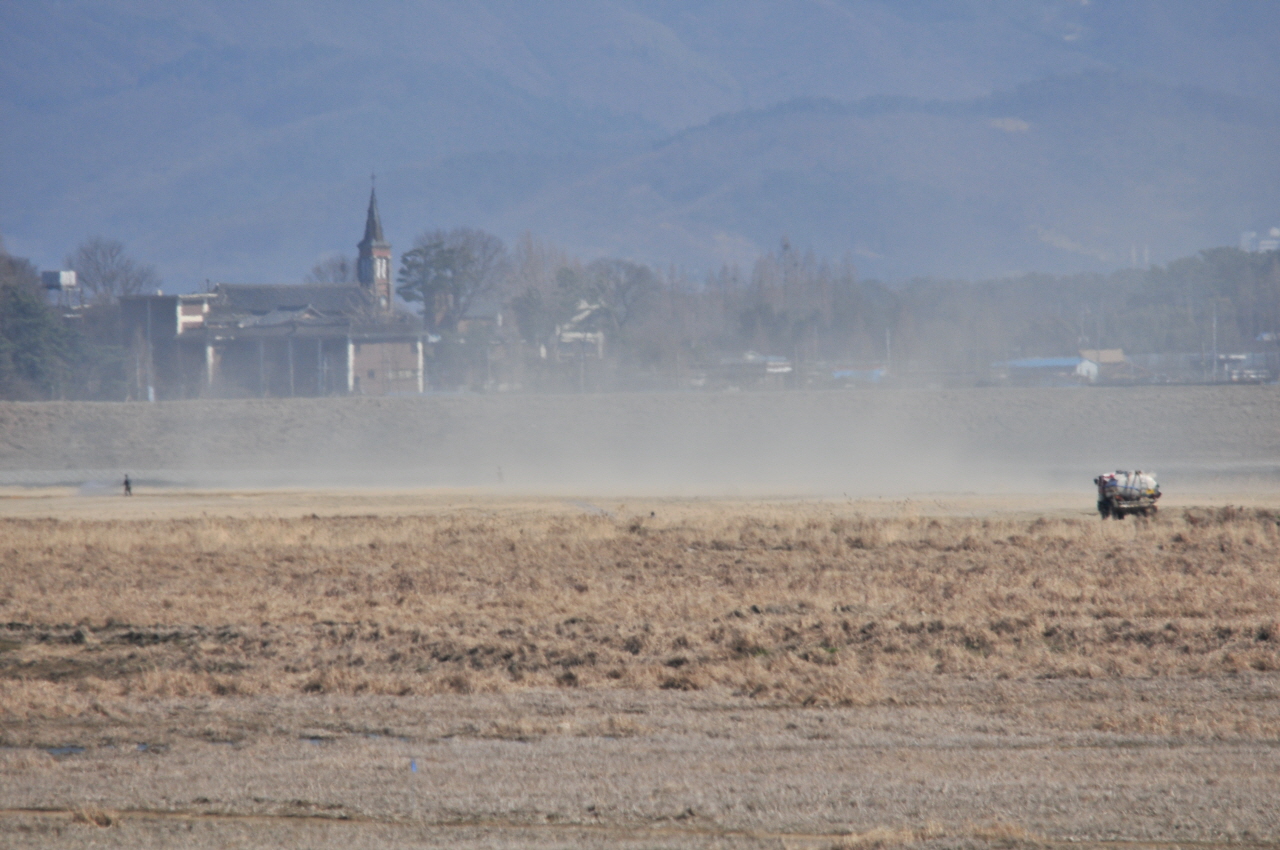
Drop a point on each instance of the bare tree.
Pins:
(623, 285)
(535, 268)
(534, 265)
(104, 271)
(452, 271)
(335, 268)
(617, 288)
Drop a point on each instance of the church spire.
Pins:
(373, 221)
(373, 268)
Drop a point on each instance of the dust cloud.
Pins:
(859, 444)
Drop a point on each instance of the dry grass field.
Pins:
(793, 604)
(471, 671)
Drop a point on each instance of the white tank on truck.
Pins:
(1123, 492)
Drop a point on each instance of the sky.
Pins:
(232, 141)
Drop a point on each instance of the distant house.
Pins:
(580, 336)
(280, 339)
(1047, 371)
(1114, 365)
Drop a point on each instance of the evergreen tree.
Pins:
(449, 272)
(36, 349)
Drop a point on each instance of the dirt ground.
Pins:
(938, 671)
(940, 761)
(801, 620)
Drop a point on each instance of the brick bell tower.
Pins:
(373, 268)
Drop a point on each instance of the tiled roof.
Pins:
(261, 299)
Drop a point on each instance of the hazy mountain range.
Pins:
(234, 141)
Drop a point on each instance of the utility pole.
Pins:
(150, 364)
(1215, 341)
(262, 368)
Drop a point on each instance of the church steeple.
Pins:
(373, 268)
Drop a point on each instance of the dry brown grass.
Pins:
(796, 604)
(989, 834)
(93, 816)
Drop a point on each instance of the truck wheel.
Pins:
(1104, 510)
(1117, 512)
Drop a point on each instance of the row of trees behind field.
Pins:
(662, 327)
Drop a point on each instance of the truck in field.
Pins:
(1121, 493)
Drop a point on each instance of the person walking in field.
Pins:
(128, 485)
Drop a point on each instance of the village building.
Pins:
(1046, 371)
(281, 339)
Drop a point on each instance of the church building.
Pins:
(280, 340)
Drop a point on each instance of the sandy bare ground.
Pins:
(165, 503)
(940, 762)
(223, 668)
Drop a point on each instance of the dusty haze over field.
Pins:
(833, 443)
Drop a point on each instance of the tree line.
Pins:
(662, 328)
